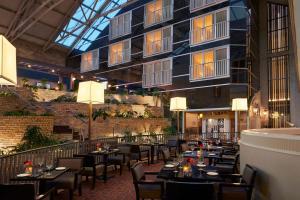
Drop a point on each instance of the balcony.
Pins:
(209, 33)
(119, 57)
(158, 46)
(160, 78)
(209, 70)
(158, 16)
(199, 4)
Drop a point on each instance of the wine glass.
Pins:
(40, 162)
(49, 165)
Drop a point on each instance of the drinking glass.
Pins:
(49, 165)
(40, 162)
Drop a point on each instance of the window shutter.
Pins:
(157, 73)
(166, 72)
(167, 39)
(89, 61)
(126, 51)
(121, 25)
(127, 23)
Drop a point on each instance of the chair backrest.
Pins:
(138, 172)
(135, 148)
(124, 149)
(88, 160)
(17, 191)
(72, 163)
(184, 147)
(172, 143)
(249, 175)
(189, 190)
(166, 154)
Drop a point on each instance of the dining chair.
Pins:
(70, 180)
(189, 190)
(226, 166)
(185, 147)
(23, 191)
(166, 155)
(138, 154)
(173, 146)
(146, 188)
(240, 186)
(90, 167)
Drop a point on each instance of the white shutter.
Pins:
(127, 23)
(157, 73)
(167, 42)
(89, 61)
(167, 9)
(166, 72)
(120, 25)
(126, 51)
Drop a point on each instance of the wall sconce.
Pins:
(200, 116)
(255, 110)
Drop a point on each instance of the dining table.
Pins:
(154, 149)
(105, 154)
(44, 178)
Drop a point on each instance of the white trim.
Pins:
(123, 41)
(208, 109)
(206, 6)
(193, 88)
(117, 17)
(161, 29)
(214, 23)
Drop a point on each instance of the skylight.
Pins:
(76, 34)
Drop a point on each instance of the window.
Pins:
(158, 41)
(209, 27)
(157, 73)
(158, 11)
(119, 52)
(120, 25)
(210, 64)
(200, 4)
(89, 61)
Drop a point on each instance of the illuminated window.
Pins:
(158, 41)
(158, 11)
(209, 27)
(120, 25)
(89, 61)
(119, 52)
(210, 64)
(200, 4)
(157, 73)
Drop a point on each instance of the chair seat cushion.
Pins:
(89, 170)
(150, 191)
(225, 169)
(234, 193)
(66, 181)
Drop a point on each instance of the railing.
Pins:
(12, 164)
(159, 15)
(213, 32)
(210, 70)
(198, 4)
(158, 46)
(119, 57)
(163, 77)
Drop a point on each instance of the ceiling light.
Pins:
(29, 66)
(117, 87)
(73, 79)
(81, 76)
(52, 70)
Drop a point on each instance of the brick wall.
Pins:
(12, 128)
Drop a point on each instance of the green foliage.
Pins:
(169, 130)
(141, 91)
(100, 113)
(127, 134)
(60, 86)
(34, 138)
(129, 114)
(148, 113)
(80, 116)
(19, 113)
(44, 83)
(25, 82)
(6, 94)
(65, 98)
(115, 101)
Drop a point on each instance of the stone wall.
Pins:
(12, 128)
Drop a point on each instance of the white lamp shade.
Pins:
(178, 104)
(90, 92)
(239, 104)
(8, 62)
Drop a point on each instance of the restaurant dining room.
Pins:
(149, 99)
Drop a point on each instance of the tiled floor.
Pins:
(116, 188)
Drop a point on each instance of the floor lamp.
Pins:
(178, 104)
(8, 63)
(238, 104)
(90, 92)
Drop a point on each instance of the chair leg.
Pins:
(121, 169)
(71, 194)
(79, 189)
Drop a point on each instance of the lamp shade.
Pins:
(178, 104)
(239, 104)
(90, 92)
(8, 62)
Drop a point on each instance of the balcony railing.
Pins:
(119, 57)
(208, 33)
(210, 70)
(198, 4)
(159, 46)
(157, 78)
(159, 16)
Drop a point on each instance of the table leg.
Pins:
(105, 160)
(152, 154)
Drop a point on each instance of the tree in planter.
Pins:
(127, 134)
(25, 82)
(34, 138)
(60, 86)
(44, 83)
(100, 113)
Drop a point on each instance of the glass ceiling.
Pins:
(71, 33)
